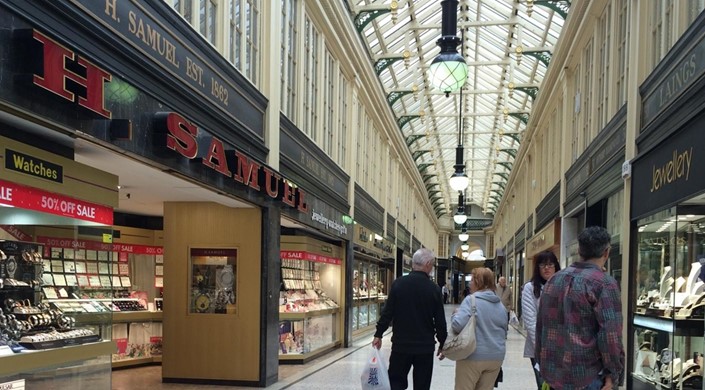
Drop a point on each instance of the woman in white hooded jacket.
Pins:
(545, 265)
(479, 370)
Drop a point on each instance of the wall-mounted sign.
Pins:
(16, 195)
(71, 76)
(176, 133)
(24, 163)
(308, 256)
(329, 223)
(13, 385)
(100, 246)
(16, 233)
(670, 172)
(675, 168)
(152, 39)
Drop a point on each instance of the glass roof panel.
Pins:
(491, 31)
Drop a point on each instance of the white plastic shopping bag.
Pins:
(375, 376)
(513, 320)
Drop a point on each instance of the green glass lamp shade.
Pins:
(448, 71)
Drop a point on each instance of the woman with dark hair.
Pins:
(545, 265)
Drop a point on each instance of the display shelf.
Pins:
(137, 316)
(135, 362)
(640, 383)
(91, 318)
(306, 357)
(680, 327)
(33, 361)
(60, 343)
(115, 318)
(308, 314)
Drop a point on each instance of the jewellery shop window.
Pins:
(670, 290)
(31, 278)
(369, 293)
(308, 302)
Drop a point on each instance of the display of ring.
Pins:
(27, 257)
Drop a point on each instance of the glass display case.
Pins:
(369, 292)
(213, 281)
(669, 289)
(304, 334)
(64, 351)
(308, 305)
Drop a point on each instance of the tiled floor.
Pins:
(341, 369)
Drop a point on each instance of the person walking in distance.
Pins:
(579, 323)
(415, 304)
(445, 293)
(545, 266)
(505, 294)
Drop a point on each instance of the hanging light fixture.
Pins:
(460, 217)
(463, 236)
(448, 70)
(464, 246)
(459, 180)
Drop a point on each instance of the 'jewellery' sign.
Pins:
(329, 223)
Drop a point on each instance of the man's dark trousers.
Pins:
(399, 365)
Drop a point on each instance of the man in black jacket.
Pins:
(415, 304)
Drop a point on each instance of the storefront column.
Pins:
(348, 329)
(269, 314)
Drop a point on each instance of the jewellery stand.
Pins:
(666, 289)
(692, 276)
(680, 284)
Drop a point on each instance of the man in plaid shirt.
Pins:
(579, 322)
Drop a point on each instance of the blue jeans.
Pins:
(595, 385)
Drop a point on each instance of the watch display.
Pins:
(213, 280)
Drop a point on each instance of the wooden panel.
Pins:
(211, 346)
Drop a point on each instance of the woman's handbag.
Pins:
(463, 344)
